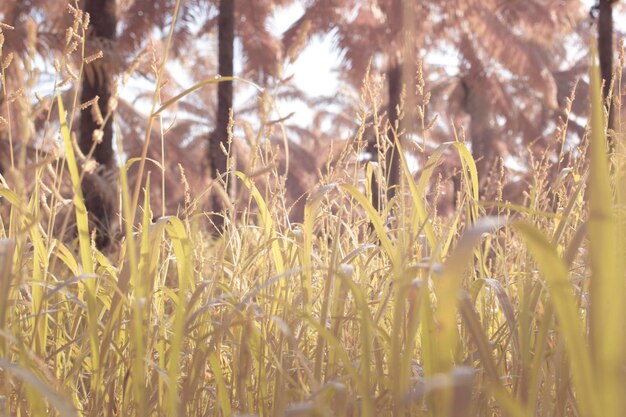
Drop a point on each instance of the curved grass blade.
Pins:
(266, 220)
(567, 313)
(310, 211)
(376, 220)
(200, 85)
(447, 286)
(60, 403)
(184, 263)
(442, 343)
(84, 241)
(79, 202)
(420, 217)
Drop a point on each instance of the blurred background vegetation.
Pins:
(189, 229)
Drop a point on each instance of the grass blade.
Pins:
(567, 313)
(607, 282)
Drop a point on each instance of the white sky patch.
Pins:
(284, 17)
(314, 69)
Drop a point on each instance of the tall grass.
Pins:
(351, 313)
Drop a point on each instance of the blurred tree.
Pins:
(605, 52)
(25, 37)
(95, 137)
(142, 31)
(95, 134)
(218, 139)
(378, 29)
(508, 52)
(395, 87)
(510, 61)
(197, 24)
(40, 31)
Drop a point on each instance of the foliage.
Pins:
(496, 309)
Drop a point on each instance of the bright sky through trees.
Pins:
(314, 71)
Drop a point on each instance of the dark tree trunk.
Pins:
(371, 147)
(483, 140)
(605, 50)
(97, 81)
(218, 139)
(392, 157)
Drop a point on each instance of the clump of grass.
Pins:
(352, 312)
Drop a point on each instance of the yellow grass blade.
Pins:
(7, 251)
(40, 269)
(420, 218)
(442, 345)
(200, 85)
(608, 308)
(65, 255)
(128, 225)
(310, 211)
(447, 286)
(47, 394)
(266, 221)
(84, 241)
(223, 399)
(79, 202)
(184, 264)
(376, 220)
(469, 172)
(567, 313)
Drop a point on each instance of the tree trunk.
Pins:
(484, 146)
(371, 147)
(97, 81)
(392, 157)
(605, 52)
(218, 139)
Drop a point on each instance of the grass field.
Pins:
(498, 310)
